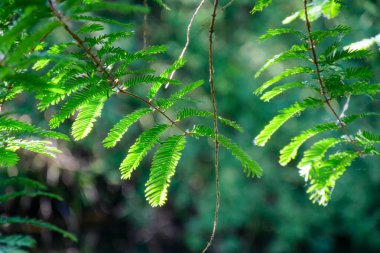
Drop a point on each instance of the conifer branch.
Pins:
(215, 118)
(97, 62)
(322, 86)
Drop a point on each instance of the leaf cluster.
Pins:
(79, 75)
(330, 76)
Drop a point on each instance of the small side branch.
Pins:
(97, 62)
(223, 8)
(322, 86)
(187, 37)
(345, 107)
(226, 6)
(212, 88)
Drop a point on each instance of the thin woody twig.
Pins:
(212, 88)
(189, 29)
(345, 107)
(322, 86)
(187, 37)
(223, 8)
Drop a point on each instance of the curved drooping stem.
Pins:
(187, 36)
(97, 62)
(212, 88)
(322, 86)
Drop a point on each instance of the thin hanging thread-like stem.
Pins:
(187, 37)
(322, 86)
(212, 88)
(97, 62)
(225, 6)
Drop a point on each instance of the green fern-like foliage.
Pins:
(22, 35)
(164, 163)
(327, 78)
(140, 149)
(36, 223)
(316, 9)
(18, 187)
(16, 243)
(17, 135)
(251, 167)
(80, 74)
(260, 5)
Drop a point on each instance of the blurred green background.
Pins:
(267, 215)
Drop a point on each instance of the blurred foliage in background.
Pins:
(272, 214)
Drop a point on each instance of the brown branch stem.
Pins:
(212, 88)
(322, 86)
(97, 62)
